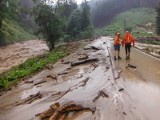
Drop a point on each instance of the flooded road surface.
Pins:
(12, 55)
(114, 91)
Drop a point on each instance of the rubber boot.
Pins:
(119, 57)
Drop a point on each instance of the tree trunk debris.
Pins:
(95, 48)
(54, 77)
(43, 81)
(69, 107)
(131, 66)
(29, 99)
(84, 61)
(48, 113)
(62, 73)
(29, 81)
(100, 94)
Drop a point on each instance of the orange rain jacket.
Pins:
(128, 39)
(117, 39)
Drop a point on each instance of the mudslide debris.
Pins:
(30, 99)
(43, 81)
(84, 61)
(100, 94)
(131, 66)
(69, 107)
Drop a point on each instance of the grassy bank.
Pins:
(14, 32)
(30, 67)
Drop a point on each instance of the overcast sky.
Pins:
(80, 1)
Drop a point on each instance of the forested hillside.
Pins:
(16, 21)
(139, 21)
(103, 11)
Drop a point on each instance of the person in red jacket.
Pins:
(117, 44)
(127, 40)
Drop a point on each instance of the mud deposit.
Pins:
(91, 90)
(17, 53)
(150, 49)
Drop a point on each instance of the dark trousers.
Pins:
(128, 48)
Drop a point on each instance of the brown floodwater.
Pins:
(135, 95)
(12, 55)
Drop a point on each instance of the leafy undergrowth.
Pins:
(31, 66)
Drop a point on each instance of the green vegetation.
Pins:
(158, 20)
(31, 66)
(140, 21)
(79, 25)
(11, 26)
(14, 32)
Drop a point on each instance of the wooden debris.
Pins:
(30, 99)
(49, 66)
(66, 62)
(63, 73)
(54, 77)
(84, 61)
(121, 89)
(100, 94)
(84, 82)
(119, 75)
(43, 81)
(48, 113)
(83, 57)
(94, 65)
(131, 66)
(29, 81)
(69, 107)
(95, 48)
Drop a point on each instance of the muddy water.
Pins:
(17, 53)
(132, 96)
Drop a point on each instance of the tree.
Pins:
(3, 8)
(158, 20)
(86, 21)
(49, 22)
(74, 24)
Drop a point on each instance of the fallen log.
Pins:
(63, 73)
(131, 66)
(100, 94)
(40, 82)
(95, 48)
(66, 62)
(69, 107)
(54, 77)
(29, 81)
(30, 99)
(48, 113)
(84, 61)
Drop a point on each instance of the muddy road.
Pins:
(90, 79)
(12, 55)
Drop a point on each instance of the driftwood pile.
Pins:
(57, 112)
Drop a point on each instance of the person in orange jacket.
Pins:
(117, 44)
(128, 39)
